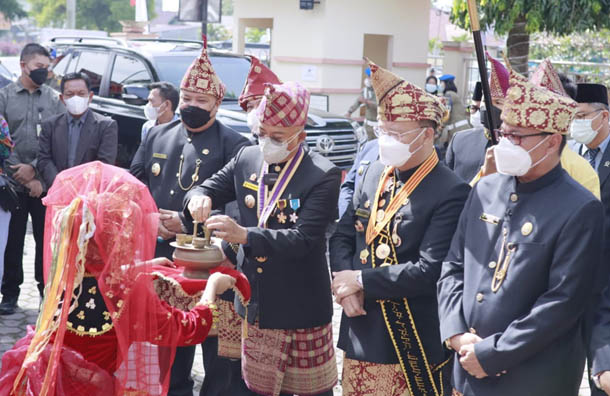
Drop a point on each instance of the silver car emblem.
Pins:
(325, 144)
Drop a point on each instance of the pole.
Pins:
(71, 14)
(204, 17)
(478, 45)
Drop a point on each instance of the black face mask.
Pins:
(39, 76)
(195, 117)
(496, 113)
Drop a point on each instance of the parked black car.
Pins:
(121, 71)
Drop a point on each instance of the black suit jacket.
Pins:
(162, 148)
(466, 153)
(428, 223)
(290, 280)
(98, 141)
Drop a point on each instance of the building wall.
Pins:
(329, 41)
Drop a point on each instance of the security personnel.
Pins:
(520, 272)
(367, 155)
(387, 251)
(172, 159)
(286, 197)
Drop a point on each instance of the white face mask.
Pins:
(475, 120)
(514, 160)
(273, 152)
(77, 105)
(431, 88)
(393, 152)
(252, 121)
(151, 112)
(582, 130)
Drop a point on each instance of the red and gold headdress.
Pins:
(284, 105)
(529, 106)
(399, 100)
(201, 78)
(255, 84)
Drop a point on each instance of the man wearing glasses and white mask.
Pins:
(387, 251)
(515, 286)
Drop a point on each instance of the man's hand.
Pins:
(604, 380)
(361, 99)
(489, 167)
(470, 363)
(353, 305)
(457, 341)
(171, 221)
(227, 229)
(24, 173)
(35, 187)
(345, 283)
(200, 207)
(164, 232)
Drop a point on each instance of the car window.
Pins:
(127, 71)
(60, 67)
(93, 64)
(231, 70)
(59, 71)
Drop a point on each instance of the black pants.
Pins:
(13, 256)
(222, 375)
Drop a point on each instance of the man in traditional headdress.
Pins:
(387, 251)
(287, 198)
(518, 277)
(171, 160)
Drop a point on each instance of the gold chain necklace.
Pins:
(194, 176)
(503, 263)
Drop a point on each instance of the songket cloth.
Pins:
(298, 361)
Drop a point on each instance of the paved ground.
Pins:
(13, 327)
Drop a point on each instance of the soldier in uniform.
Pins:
(369, 101)
(520, 273)
(172, 159)
(388, 249)
(287, 197)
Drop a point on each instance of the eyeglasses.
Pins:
(396, 135)
(516, 138)
(581, 116)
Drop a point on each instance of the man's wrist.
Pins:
(359, 280)
(596, 380)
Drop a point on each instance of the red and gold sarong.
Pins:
(291, 361)
(373, 379)
(229, 330)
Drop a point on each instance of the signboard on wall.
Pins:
(309, 73)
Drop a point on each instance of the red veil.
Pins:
(101, 222)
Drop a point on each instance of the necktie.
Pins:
(591, 154)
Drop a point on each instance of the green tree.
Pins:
(254, 35)
(520, 18)
(90, 14)
(586, 52)
(227, 7)
(217, 32)
(12, 9)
